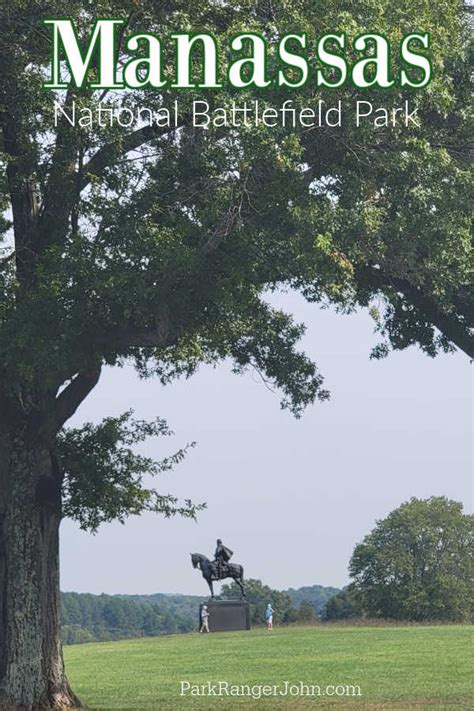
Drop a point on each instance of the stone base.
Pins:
(227, 615)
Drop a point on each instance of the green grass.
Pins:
(395, 667)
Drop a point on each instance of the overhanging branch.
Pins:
(74, 394)
(457, 332)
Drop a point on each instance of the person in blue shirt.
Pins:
(269, 616)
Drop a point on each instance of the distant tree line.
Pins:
(92, 618)
(97, 618)
(317, 595)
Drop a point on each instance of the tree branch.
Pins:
(22, 186)
(74, 394)
(6, 260)
(223, 229)
(227, 223)
(108, 154)
(450, 326)
(159, 335)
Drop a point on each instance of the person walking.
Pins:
(269, 616)
(204, 619)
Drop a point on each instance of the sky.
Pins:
(290, 497)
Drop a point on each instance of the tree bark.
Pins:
(32, 676)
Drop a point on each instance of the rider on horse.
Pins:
(219, 568)
(221, 558)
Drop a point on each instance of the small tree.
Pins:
(307, 613)
(418, 563)
(345, 605)
(259, 595)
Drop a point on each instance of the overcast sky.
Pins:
(290, 497)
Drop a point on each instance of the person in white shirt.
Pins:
(204, 619)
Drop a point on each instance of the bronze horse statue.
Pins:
(211, 574)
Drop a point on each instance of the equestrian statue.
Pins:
(220, 568)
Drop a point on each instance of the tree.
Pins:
(345, 605)
(259, 595)
(418, 563)
(307, 613)
(158, 246)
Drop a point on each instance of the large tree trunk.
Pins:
(31, 663)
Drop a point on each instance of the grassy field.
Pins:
(395, 668)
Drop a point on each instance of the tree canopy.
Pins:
(159, 246)
(418, 563)
(344, 605)
(103, 474)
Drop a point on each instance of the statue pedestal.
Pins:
(227, 615)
